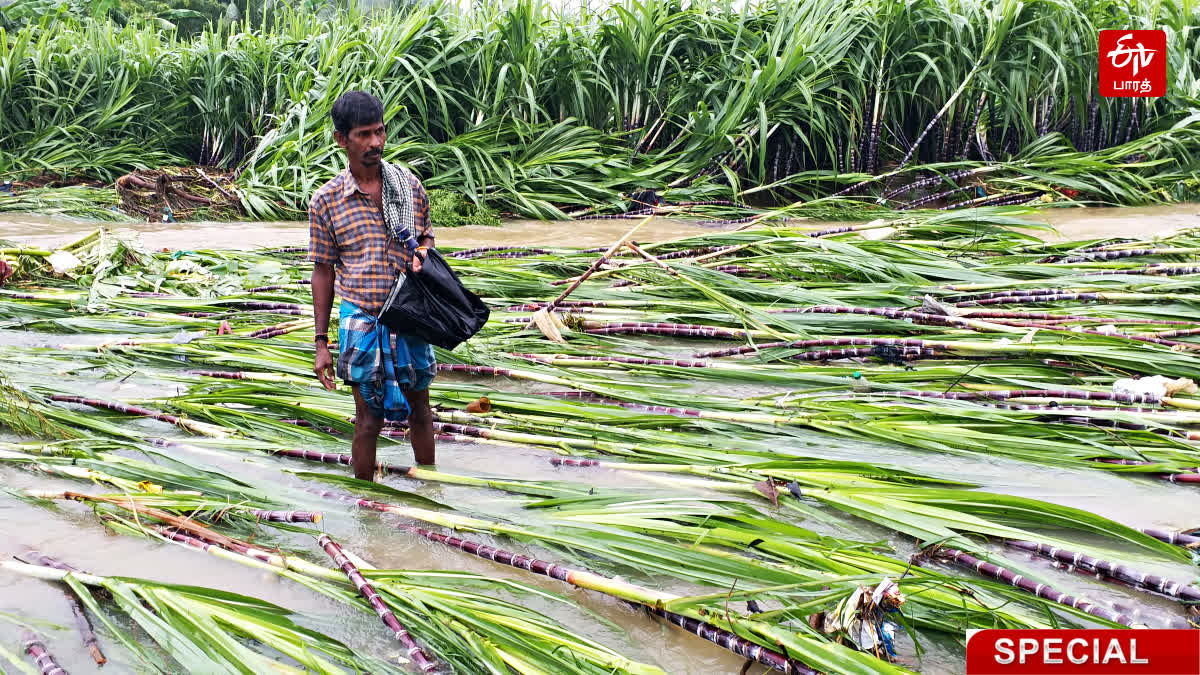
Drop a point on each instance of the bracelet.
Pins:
(321, 336)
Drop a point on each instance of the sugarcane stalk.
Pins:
(1129, 253)
(1176, 538)
(1151, 582)
(1019, 292)
(1047, 316)
(586, 361)
(42, 658)
(1004, 395)
(1015, 580)
(580, 578)
(675, 330)
(335, 552)
(287, 516)
(85, 629)
(81, 621)
(279, 287)
(281, 328)
(129, 504)
(624, 590)
(249, 375)
(181, 422)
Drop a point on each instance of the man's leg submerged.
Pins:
(420, 426)
(366, 438)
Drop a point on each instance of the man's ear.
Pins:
(340, 138)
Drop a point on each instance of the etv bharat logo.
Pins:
(1133, 63)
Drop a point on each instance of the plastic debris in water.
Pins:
(63, 261)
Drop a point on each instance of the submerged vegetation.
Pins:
(820, 104)
(746, 434)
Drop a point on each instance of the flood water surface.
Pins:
(72, 530)
(1068, 224)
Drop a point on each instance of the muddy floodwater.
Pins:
(1068, 223)
(73, 531)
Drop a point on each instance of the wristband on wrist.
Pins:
(321, 336)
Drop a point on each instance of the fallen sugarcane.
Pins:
(1178, 538)
(170, 613)
(821, 655)
(42, 658)
(183, 423)
(414, 651)
(1015, 580)
(467, 643)
(1155, 583)
(590, 580)
(524, 654)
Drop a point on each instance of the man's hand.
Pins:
(417, 259)
(323, 367)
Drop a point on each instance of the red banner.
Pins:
(1083, 652)
(1133, 63)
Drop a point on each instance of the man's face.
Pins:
(364, 143)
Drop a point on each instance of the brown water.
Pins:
(72, 531)
(1069, 223)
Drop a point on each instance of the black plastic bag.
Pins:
(433, 305)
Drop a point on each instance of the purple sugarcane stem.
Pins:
(718, 636)
(339, 558)
(1176, 538)
(196, 540)
(906, 353)
(1047, 316)
(39, 558)
(733, 643)
(277, 287)
(41, 658)
(1115, 255)
(823, 342)
(1148, 581)
(288, 516)
(1164, 270)
(228, 375)
(675, 330)
(255, 304)
(1017, 299)
(571, 461)
(338, 458)
(116, 407)
(633, 360)
(1016, 292)
(734, 221)
(81, 621)
(473, 370)
(1009, 577)
(1001, 395)
(85, 629)
(1187, 332)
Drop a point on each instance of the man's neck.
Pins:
(366, 174)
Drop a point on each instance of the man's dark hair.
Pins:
(354, 109)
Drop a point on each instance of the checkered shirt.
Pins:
(346, 230)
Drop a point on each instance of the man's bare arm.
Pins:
(322, 292)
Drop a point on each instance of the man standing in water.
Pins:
(350, 242)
